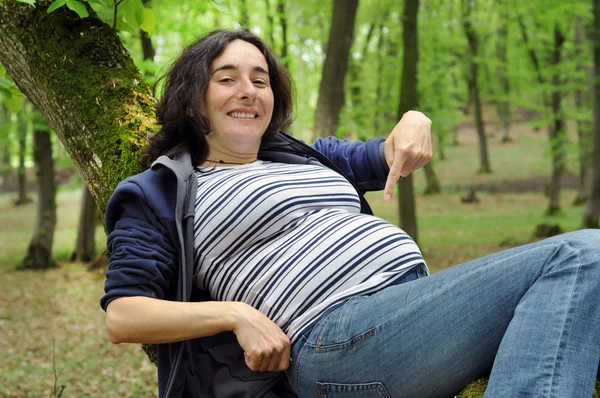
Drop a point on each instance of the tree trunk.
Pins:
(557, 129)
(39, 253)
(354, 72)
(592, 210)
(584, 127)
(378, 117)
(79, 76)
(331, 88)
(409, 99)
(503, 102)
(284, 42)
(6, 169)
(244, 17)
(85, 247)
(23, 131)
(433, 183)
(147, 47)
(270, 24)
(468, 7)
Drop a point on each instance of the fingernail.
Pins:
(387, 196)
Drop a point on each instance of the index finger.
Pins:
(394, 174)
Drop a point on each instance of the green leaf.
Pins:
(2, 70)
(55, 5)
(221, 5)
(128, 10)
(146, 19)
(78, 7)
(14, 101)
(5, 85)
(30, 2)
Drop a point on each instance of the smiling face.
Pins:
(239, 101)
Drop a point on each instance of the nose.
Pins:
(247, 90)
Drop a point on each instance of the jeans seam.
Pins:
(563, 331)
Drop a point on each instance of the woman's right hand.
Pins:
(266, 347)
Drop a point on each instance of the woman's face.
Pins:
(239, 98)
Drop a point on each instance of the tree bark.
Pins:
(553, 102)
(331, 88)
(39, 253)
(503, 102)
(284, 42)
(244, 17)
(79, 76)
(557, 129)
(379, 113)
(7, 174)
(23, 131)
(433, 183)
(468, 7)
(592, 210)
(270, 24)
(409, 100)
(85, 247)
(584, 127)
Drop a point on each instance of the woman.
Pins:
(243, 253)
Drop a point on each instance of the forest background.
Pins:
(508, 85)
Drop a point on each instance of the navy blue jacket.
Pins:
(149, 221)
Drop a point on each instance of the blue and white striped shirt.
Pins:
(290, 241)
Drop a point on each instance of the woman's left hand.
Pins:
(407, 148)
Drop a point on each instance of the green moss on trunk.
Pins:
(81, 78)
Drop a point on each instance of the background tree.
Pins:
(331, 89)
(468, 9)
(39, 253)
(408, 100)
(583, 103)
(592, 210)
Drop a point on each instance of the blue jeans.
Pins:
(530, 315)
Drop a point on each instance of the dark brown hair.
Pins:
(184, 91)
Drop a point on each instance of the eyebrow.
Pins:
(231, 66)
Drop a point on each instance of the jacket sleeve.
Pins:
(142, 257)
(363, 162)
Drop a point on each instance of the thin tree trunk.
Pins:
(85, 247)
(147, 47)
(433, 183)
(355, 68)
(378, 116)
(409, 99)
(23, 131)
(244, 17)
(557, 129)
(468, 7)
(270, 24)
(284, 42)
(584, 127)
(592, 211)
(331, 88)
(39, 253)
(503, 102)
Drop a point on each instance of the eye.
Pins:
(225, 80)
(260, 82)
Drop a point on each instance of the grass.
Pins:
(53, 327)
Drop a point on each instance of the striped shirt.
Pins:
(290, 241)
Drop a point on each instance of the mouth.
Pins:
(242, 115)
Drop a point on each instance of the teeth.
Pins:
(240, 115)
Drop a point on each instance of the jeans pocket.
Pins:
(363, 390)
